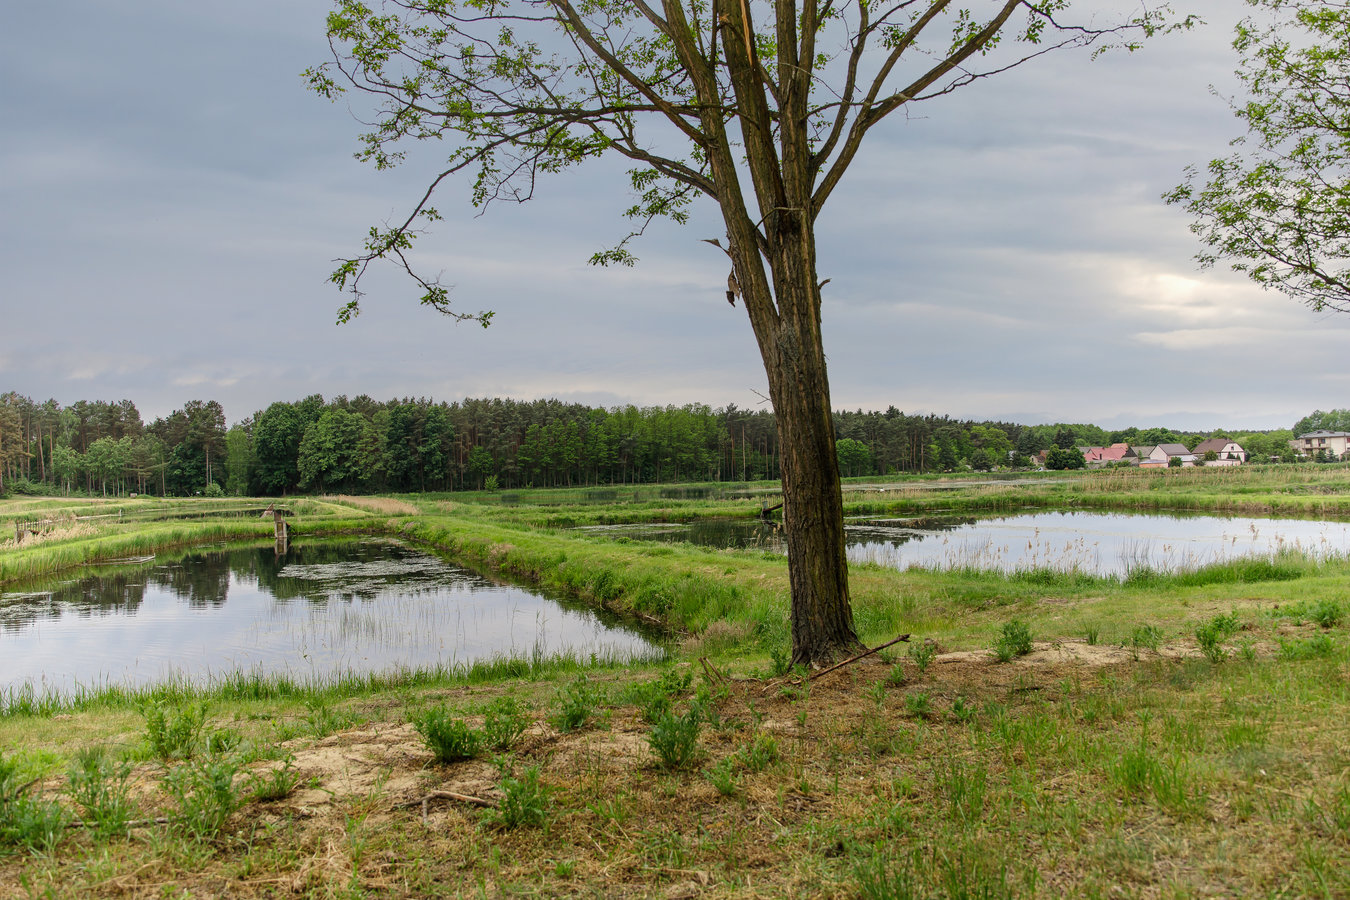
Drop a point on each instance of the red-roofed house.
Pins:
(1100, 456)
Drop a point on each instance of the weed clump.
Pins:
(576, 705)
(1213, 633)
(449, 738)
(675, 738)
(1014, 641)
(923, 653)
(503, 724)
(1146, 637)
(99, 786)
(203, 795)
(525, 801)
(27, 821)
(1327, 613)
(174, 732)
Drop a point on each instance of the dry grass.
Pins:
(59, 533)
(385, 506)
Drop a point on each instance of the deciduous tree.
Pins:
(760, 107)
(1278, 208)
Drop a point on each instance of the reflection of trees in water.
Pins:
(99, 595)
(757, 534)
(896, 533)
(202, 579)
(739, 534)
(342, 571)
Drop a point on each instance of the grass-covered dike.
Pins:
(1042, 734)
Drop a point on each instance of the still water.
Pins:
(1090, 542)
(322, 609)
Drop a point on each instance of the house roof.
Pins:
(1144, 451)
(1114, 453)
(1215, 444)
(1174, 449)
(1324, 434)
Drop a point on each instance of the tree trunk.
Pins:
(813, 508)
(813, 517)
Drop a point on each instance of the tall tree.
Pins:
(1278, 209)
(759, 106)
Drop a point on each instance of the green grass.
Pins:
(1161, 774)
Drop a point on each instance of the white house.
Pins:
(1328, 441)
(1163, 454)
(1228, 453)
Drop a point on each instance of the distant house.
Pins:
(1100, 456)
(1327, 441)
(1228, 453)
(1162, 455)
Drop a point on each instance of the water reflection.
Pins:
(324, 608)
(1090, 542)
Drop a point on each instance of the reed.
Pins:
(27, 701)
(385, 506)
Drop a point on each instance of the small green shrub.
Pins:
(1014, 641)
(324, 720)
(919, 704)
(1210, 637)
(675, 738)
(174, 732)
(962, 711)
(1327, 613)
(1146, 637)
(222, 741)
(32, 823)
(99, 786)
(923, 653)
(760, 753)
(1226, 624)
(449, 738)
(27, 821)
(503, 723)
(576, 705)
(277, 784)
(655, 698)
(203, 796)
(723, 777)
(525, 802)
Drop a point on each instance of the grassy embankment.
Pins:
(1177, 734)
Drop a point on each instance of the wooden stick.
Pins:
(711, 670)
(853, 659)
(449, 795)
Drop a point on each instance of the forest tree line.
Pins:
(364, 445)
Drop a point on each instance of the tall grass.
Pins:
(133, 540)
(26, 700)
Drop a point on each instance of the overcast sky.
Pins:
(172, 199)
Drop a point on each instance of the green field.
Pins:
(1042, 734)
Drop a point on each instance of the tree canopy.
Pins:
(760, 107)
(1278, 208)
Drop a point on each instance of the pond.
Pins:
(324, 609)
(1092, 542)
